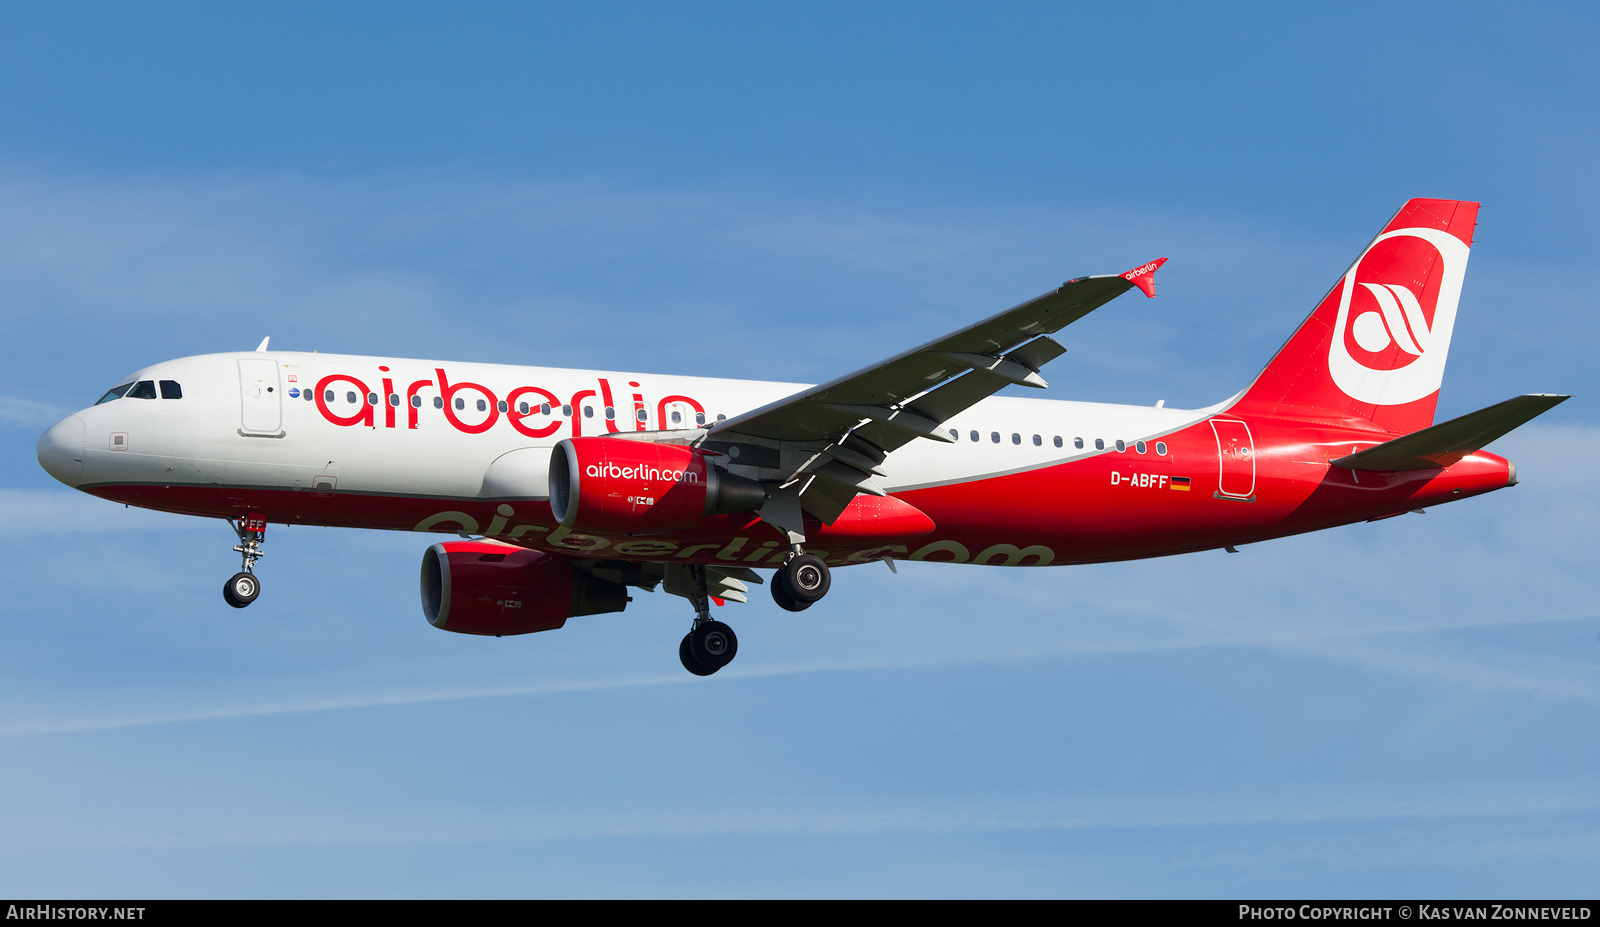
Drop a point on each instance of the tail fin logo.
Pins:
(1397, 310)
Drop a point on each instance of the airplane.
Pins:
(567, 489)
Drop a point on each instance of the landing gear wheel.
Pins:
(688, 659)
(784, 598)
(713, 645)
(241, 590)
(806, 577)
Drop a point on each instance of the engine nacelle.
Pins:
(612, 485)
(480, 587)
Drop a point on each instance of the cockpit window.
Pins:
(114, 392)
(144, 389)
(171, 390)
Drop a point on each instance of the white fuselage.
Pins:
(234, 427)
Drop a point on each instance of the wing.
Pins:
(827, 442)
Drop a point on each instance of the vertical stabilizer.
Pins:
(1375, 346)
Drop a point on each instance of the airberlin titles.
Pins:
(546, 412)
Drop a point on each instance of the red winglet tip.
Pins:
(1144, 276)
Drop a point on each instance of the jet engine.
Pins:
(612, 485)
(482, 587)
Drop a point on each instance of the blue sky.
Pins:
(1403, 708)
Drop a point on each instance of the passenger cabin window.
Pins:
(544, 408)
(643, 417)
(394, 399)
(171, 390)
(483, 405)
(1099, 444)
(699, 418)
(588, 411)
(1038, 441)
(1120, 446)
(1161, 448)
(310, 397)
(974, 436)
(1016, 438)
(416, 402)
(350, 398)
(1058, 440)
(994, 436)
(956, 435)
(372, 399)
(610, 413)
(144, 389)
(567, 411)
(522, 407)
(1138, 446)
(1077, 443)
(115, 392)
(461, 404)
(438, 402)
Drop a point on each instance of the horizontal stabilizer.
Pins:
(1447, 442)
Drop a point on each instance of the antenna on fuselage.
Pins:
(263, 345)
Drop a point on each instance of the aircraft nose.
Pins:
(60, 450)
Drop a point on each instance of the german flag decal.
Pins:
(1180, 483)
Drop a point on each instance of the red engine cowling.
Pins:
(611, 485)
(481, 587)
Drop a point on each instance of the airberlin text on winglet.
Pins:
(1144, 277)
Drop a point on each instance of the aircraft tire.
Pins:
(782, 595)
(806, 577)
(713, 645)
(686, 656)
(241, 589)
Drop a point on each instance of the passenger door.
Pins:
(1236, 460)
(261, 397)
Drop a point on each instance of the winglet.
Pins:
(1144, 276)
(263, 345)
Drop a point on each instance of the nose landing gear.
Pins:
(242, 588)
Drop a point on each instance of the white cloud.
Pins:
(846, 815)
(30, 512)
(428, 264)
(29, 413)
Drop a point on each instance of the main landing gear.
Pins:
(243, 587)
(709, 645)
(802, 580)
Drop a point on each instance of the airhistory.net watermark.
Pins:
(50, 912)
